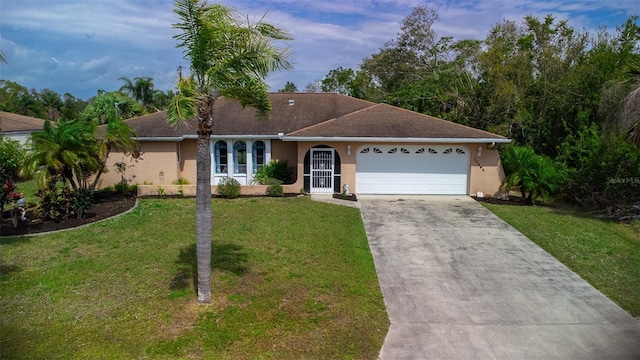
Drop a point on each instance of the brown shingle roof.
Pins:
(386, 121)
(313, 115)
(10, 122)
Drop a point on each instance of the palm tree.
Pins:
(67, 151)
(227, 58)
(534, 175)
(141, 89)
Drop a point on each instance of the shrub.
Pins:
(56, 202)
(600, 171)
(181, 181)
(81, 201)
(533, 175)
(274, 187)
(276, 169)
(228, 188)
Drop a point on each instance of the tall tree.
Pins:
(107, 105)
(231, 58)
(52, 104)
(141, 89)
(340, 81)
(289, 87)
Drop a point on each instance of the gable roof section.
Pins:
(316, 116)
(385, 122)
(10, 122)
(291, 111)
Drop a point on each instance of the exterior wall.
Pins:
(281, 150)
(190, 190)
(486, 170)
(347, 167)
(158, 165)
(188, 166)
(485, 173)
(20, 136)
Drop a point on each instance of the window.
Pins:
(448, 151)
(364, 151)
(240, 157)
(460, 151)
(432, 151)
(221, 157)
(420, 151)
(393, 151)
(377, 151)
(258, 155)
(404, 151)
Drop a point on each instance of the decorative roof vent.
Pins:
(291, 102)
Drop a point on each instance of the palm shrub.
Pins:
(228, 188)
(275, 169)
(533, 175)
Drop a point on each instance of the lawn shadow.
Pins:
(224, 257)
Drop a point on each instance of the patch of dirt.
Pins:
(103, 208)
(351, 197)
(511, 200)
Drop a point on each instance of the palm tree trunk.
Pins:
(203, 216)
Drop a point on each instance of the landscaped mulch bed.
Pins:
(104, 207)
(511, 200)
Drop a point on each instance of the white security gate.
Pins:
(412, 169)
(322, 170)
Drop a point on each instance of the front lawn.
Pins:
(291, 279)
(603, 252)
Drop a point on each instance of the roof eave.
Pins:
(396, 140)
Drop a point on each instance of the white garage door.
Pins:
(412, 169)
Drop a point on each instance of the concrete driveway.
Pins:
(459, 283)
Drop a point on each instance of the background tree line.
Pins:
(569, 95)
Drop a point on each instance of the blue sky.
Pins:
(81, 46)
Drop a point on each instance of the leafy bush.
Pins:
(81, 201)
(600, 171)
(125, 188)
(276, 169)
(56, 202)
(228, 188)
(11, 158)
(274, 187)
(181, 181)
(533, 175)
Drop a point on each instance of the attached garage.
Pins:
(412, 169)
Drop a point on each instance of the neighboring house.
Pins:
(330, 140)
(19, 127)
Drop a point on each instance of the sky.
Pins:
(82, 46)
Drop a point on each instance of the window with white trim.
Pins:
(240, 157)
(220, 151)
(258, 155)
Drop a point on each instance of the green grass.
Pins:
(291, 279)
(604, 253)
(29, 188)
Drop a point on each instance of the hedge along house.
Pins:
(332, 142)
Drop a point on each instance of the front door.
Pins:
(322, 171)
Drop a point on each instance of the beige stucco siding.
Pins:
(188, 164)
(281, 150)
(485, 172)
(158, 164)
